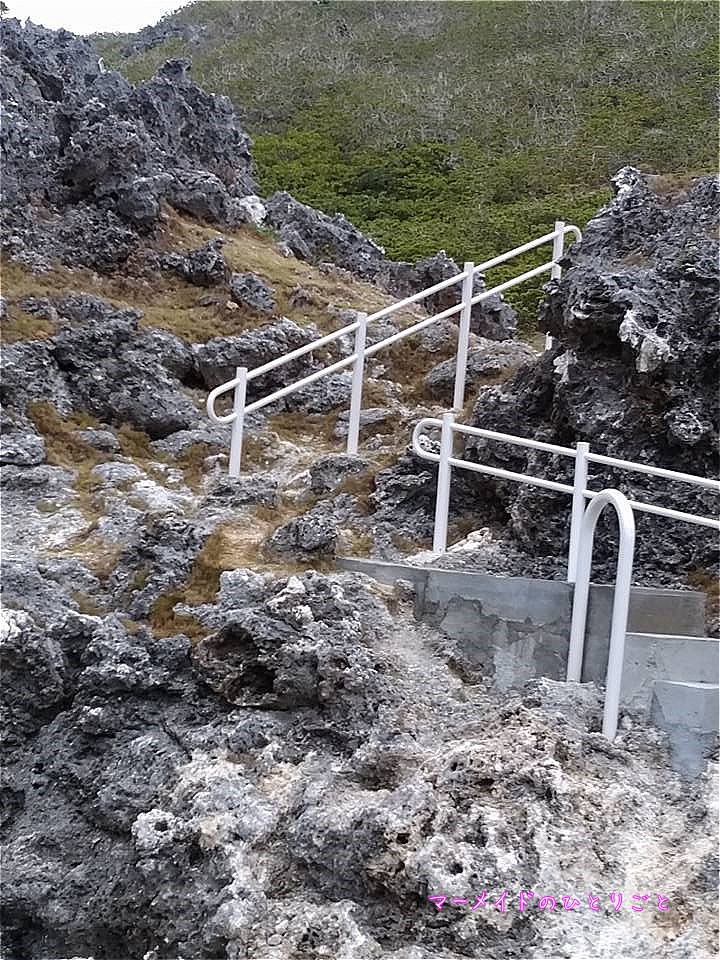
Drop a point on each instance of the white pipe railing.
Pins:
(580, 454)
(621, 601)
(361, 351)
(582, 529)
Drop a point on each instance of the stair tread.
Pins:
(640, 634)
(699, 684)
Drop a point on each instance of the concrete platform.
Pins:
(514, 629)
(652, 657)
(688, 712)
(517, 628)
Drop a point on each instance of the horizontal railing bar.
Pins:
(431, 422)
(339, 365)
(516, 252)
(509, 475)
(301, 351)
(416, 296)
(497, 472)
(655, 471)
(512, 283)
(416, 328)
(456, 309)
(565, 488)
(666, 512)
(516, 441)
(386, 311)
(352, 327)
(480, 267)
(284, 391)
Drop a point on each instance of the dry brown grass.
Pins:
(191, 462)
(709, 584)
(19, 325)
(407, 544)
(231, 546)
(136, 444)
(171, 303)
(167, 302)
(361, 543)
(294, 424)
(459, 528)
(99, 556)
(361, 485)
(87, 605)
(408, 363)
(248, 250)
(63, 446)
(165, 622)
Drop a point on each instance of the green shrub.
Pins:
(468, 127)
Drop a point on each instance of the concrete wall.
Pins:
(515, 628)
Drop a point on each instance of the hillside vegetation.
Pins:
(465, 126)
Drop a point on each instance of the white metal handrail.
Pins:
(621, 600)
(582, 457)
(243, 376)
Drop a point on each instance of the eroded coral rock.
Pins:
(103, 154)
(634, 372)
(253, 292)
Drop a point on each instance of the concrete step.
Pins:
(688, 712)
(516, 628)
(652, 610)
(651, 657)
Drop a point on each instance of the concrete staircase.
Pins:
(515, 628)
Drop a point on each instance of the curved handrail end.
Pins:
(212, 397)
(416, 434)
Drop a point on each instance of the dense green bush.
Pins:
(469, 126)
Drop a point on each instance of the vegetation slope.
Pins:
(468, 126)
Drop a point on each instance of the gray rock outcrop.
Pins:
(99, 155)
(634, 371)
(213, 746)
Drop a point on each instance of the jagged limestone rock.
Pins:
(492, 318)
(634, 371)
(217, 358)
(252, 291)
(203, 267)
(103, 154)
(307, 773)
(487, 359)
(207, 760)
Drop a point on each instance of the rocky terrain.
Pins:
(216, 745)
(634, 372)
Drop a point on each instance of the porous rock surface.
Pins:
(89, 159)
(312, 235)
(214, 746)
(300, 780)
(634, 371)
(87, 155)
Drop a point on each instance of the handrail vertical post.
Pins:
(556, 270)
(357, 386)
(236, 437)
(463, 336)
(618, 628)
(578, 507)
(621, 601)
(442, 501)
